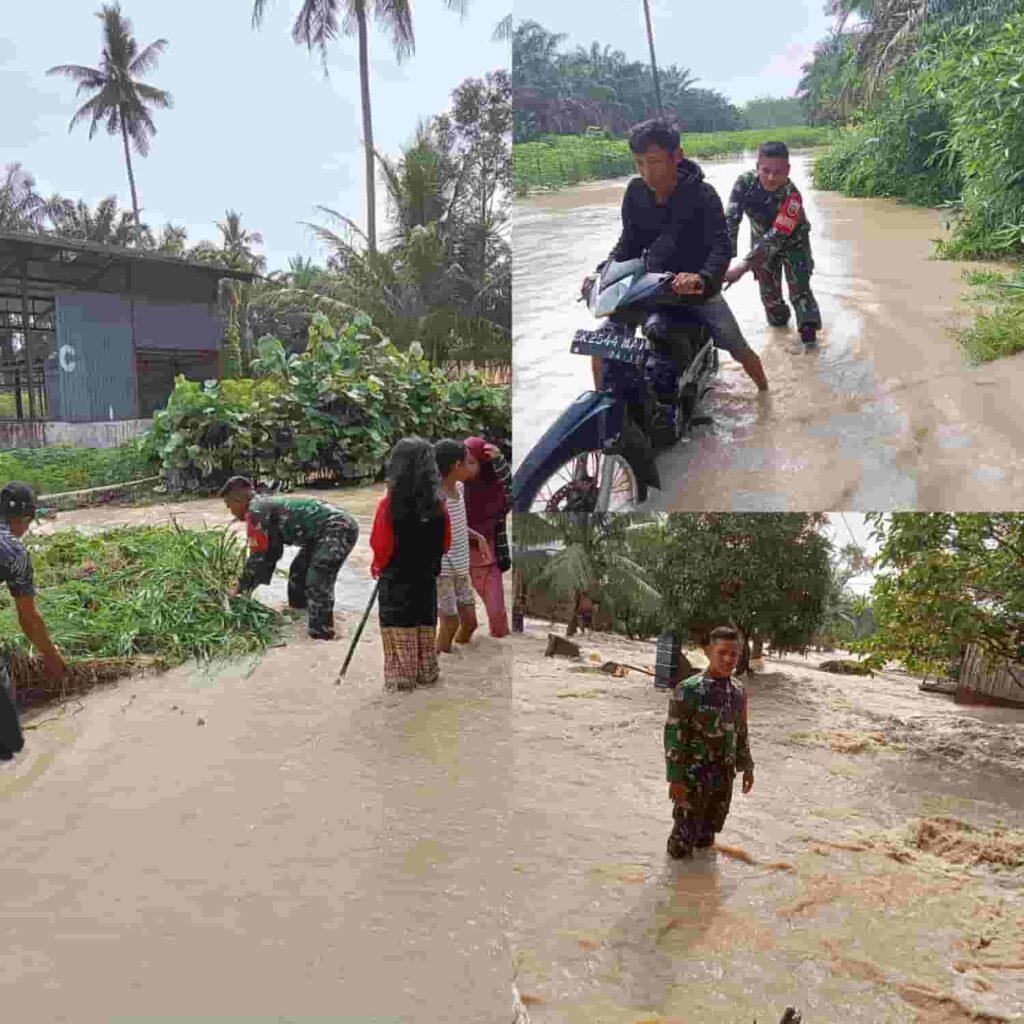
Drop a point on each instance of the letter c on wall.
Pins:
(66, 355)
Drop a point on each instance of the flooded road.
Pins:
(882, 414)
(822, 893)
(259, 844)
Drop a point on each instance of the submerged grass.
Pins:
(555, 161)
(137, 596)
(998, 330)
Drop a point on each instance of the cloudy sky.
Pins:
(255, 124)
(741, 48)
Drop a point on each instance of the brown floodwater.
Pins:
(816, 895)
(256, 843)
(882, 414)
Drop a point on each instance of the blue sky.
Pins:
(742, 48)
(255, 125)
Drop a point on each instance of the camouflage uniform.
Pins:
(705, 745)
(326, 536)
(781, 237)
(17, 572)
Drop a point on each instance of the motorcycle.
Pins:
(657, 364)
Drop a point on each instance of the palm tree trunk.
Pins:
(364, 89)
(131, 183)
(654, 63)
(574, 619)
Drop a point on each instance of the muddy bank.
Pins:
(873, 874)
(882, 414)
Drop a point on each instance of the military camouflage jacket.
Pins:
(273, 522)
(777, 219)
(707, 725)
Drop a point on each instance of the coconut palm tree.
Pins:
(571, 556)
(106, 224)
(21, 207)
(317, 23)
(118, 97)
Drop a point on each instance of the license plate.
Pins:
(610, 342)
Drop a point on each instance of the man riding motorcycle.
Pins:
(671, 215)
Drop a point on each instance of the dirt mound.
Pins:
(33, 688)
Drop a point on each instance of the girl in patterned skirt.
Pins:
(411, 533)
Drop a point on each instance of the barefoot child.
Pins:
(705, 745)
(456, 604)
(410, 535)
(781, 236)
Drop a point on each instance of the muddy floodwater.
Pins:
(256, 843)
(882, 414)
(824, 892)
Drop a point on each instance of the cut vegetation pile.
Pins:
(134, 598)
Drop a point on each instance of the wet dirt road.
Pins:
(608, 930)
(304, 852)
(883, 414)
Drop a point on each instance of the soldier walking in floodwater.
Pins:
(706, 744)
(781, 237)
(325, 534)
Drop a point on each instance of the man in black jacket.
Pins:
(674, 216)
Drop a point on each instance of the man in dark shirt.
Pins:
(671, 214)
(17, 510)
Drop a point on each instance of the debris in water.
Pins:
(738, 854)
(846, 667)
(558, 645)
(200, 720)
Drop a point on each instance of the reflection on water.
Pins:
(882, 414)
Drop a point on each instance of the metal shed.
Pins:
(94, 332)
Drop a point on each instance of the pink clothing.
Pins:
(487, 581)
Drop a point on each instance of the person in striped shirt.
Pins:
(456, 603)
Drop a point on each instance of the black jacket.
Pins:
(688, 235)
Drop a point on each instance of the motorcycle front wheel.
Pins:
(595, 481)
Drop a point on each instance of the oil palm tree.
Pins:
(106, 224)
(319, 21)
(118, 97)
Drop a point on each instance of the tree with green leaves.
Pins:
(443, 277)
(767, 575)
(22, 209)
(117, 96)
(945, 580)
(105, 225)
(319, 21)
(576, 557)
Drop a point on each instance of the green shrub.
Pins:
(332, 411)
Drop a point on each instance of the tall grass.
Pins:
(556, 161)
(60, 468)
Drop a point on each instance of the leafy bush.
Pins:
(67, 468)
(555, 161)
(332, 411)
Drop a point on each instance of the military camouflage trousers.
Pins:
(798, 265)
(11, 739)
(704, 814)
(314, 572)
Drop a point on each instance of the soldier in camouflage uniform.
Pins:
(325, 534)
(781, 237)
(705, 745)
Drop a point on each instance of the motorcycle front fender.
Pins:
(589, 424)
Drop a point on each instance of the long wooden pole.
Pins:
(654, 62)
